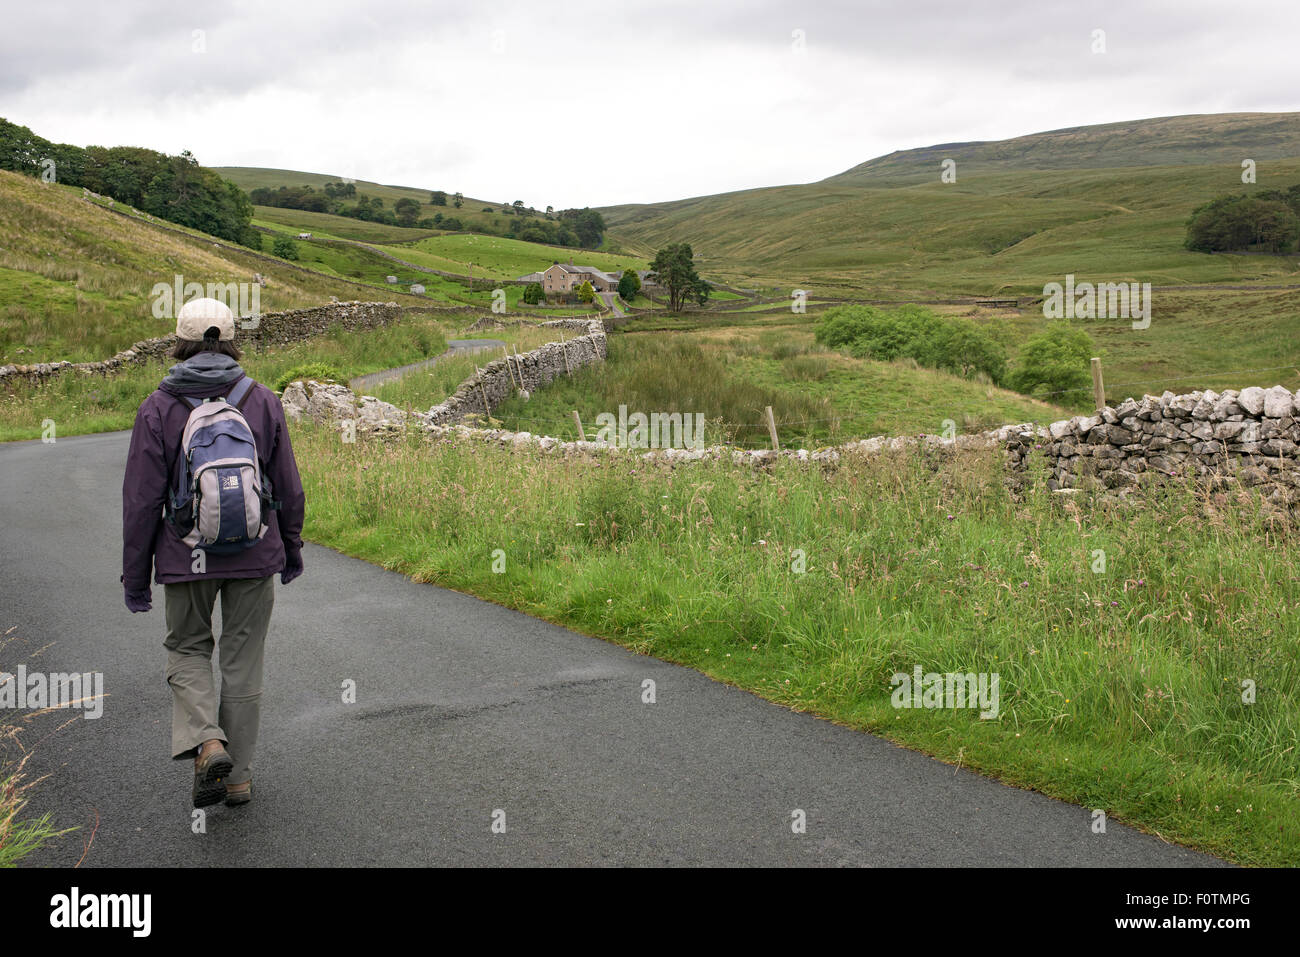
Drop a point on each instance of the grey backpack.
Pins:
(220, 498)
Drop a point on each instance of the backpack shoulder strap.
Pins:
(242, 389)
(192, 402)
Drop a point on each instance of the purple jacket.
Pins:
(150, 471)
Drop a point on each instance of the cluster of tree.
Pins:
(1263, 220)
(174, 188)
(674, 269)
(948, 343)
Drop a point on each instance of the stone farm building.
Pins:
(563, 279)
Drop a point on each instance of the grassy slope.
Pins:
(502, 258)
(75, 279)
(990, 233)
(818, 397)
(249, 178)
(325, 225)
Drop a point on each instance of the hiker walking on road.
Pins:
(213, 502)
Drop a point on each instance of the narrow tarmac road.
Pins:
(454, 347)
(463, 709)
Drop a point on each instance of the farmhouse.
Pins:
(563, 279)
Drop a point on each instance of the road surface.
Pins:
(454, 347)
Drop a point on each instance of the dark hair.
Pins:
(189, 348)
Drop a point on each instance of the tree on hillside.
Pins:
(629, 285)
(1055, 361)
(407, 211)
(458, 200)
(674, 269)
(285, 248)
(438, 198)
(587, 224)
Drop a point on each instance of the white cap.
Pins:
(199, 315)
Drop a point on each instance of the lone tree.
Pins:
(674, 269)
(1056, 361)
(407, 211)
(438, 198)
(629, 285)
(586, 293)
(284, 247)
(458, 200)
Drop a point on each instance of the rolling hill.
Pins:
(1111, 200)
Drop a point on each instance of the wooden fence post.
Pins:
(1098, 390)
(577, 420)
(487, 409)
(513, 381)
(771, 428)
(565, 347)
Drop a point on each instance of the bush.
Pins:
(912, 332)
(533, 293)
(1054, 361)
(320, 371)
(285, 248)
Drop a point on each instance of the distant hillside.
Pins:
(1198, 140)
(1022, 212)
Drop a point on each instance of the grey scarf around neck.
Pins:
(202, 371)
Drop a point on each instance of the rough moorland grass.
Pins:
(81, 404)
(75, 279)
(818, 397)
(1120, 689)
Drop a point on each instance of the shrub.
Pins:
(1055, 360)
(320, 371)
(285, 248)
(912, 332)
(533, 293)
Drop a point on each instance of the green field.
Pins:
(503, 258)
(327, 226)
(818, 397)
(470, 214)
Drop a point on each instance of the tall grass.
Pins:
(20, 834)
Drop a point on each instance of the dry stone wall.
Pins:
(274, 328)
(1215, 440)
(502, 378)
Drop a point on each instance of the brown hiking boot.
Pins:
(237, 794)
(210, 770)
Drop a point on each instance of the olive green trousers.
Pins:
(199, 712)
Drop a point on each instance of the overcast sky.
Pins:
(599, 103)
